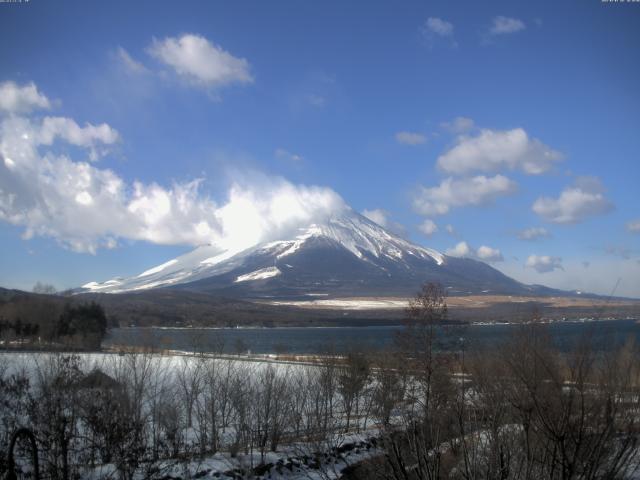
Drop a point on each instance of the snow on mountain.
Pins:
(259, 274)
(344, 254)
(361, 237)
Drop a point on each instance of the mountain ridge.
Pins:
(344, 255)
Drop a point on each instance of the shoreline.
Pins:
(399, 323)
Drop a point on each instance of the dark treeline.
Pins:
(523, 410)
(48, 321)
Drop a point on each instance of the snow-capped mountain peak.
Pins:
(343, 255)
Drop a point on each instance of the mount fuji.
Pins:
(344, 255)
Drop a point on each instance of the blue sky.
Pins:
(466, 126)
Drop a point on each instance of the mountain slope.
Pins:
(345, 255)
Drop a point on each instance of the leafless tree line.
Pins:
(522, 410)
(137, 411)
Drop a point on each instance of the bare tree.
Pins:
(415, 448)
(353, 376)
(44, 288)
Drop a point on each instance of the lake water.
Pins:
(607, 334)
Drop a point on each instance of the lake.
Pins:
(607, 334)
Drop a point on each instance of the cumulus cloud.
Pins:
(544, 263)
(452, 193)
(428, 227)
(484, 252)
(382, 218)
(201, 62)
(633, 226)
(504, 25)
(35, 133)
(575, 204)
(67, 130)
(461, 249)
(410, 138)
(494, 150)
(450, 230)
(438, 26)
(86, 208)
(533, 233)
(21, 98)
(489, 254)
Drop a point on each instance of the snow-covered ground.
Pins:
(347, 303)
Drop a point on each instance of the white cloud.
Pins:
(200, 62)
(451, 193)
(505, 25)
(428, 227)
(489, 254)
(410, 138)
(86, 208)
(34, 133)
(494, 150)
(450, 230)
(284, 154)
(376, 215)
(131, 65)
(633, 226)
(66, 129)
(439, 27)
(484, 253)
(575, 204)
(382, 218)
(544, 263)
(459, 125)
(21, 99)
(461, 249)
(533, 233)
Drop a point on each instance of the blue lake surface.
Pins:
(606, 335)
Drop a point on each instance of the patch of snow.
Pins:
(158, 269)
(218, 258)
(95, 286)
(259, 274)
(347, 303)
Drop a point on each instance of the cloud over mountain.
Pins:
(544, 263)
(85, 207)
(484, 252)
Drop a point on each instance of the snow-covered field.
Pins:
(199, 416)
(239, 398)
(347, 303)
